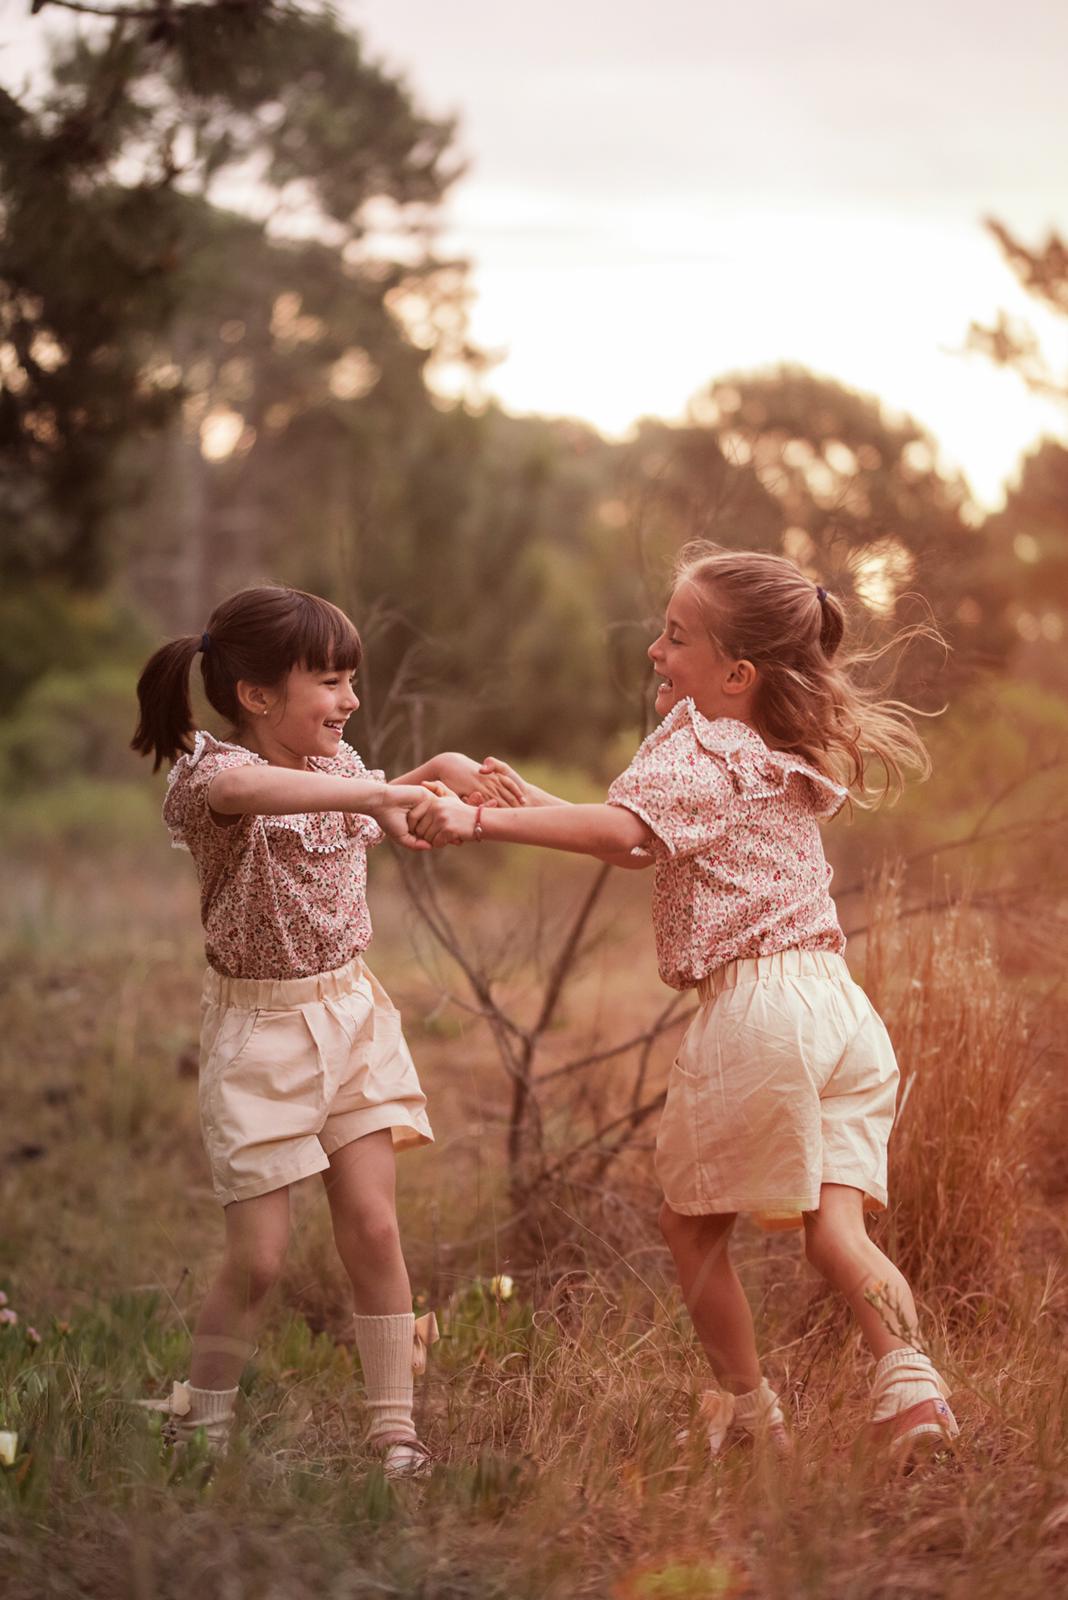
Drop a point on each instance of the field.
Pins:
(554, 1399)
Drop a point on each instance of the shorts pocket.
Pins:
(681, 1136)
(235, 1033)
(232, 1037)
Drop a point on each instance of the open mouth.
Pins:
(335, 727)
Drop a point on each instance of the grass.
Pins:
(553, 1412)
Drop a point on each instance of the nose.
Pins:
(654, 651)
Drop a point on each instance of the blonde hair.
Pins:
(761, 608)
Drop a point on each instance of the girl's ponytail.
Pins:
(163, 695)
(812, 698)
(832, 623)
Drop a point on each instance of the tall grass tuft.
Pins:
(967, 1105)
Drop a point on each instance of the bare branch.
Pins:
(663, 1024)
(1008, 830)
(990, 899)
(151, 13)
(630, 1119)
(568, 951)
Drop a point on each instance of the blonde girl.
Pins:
(782, 1097)
(303, 1065)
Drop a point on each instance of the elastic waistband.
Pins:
(783, 964)
(281, 994)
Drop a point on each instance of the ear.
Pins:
(741, 678)
(253, 698)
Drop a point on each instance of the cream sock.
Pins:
(385, 1345)
(758, 1409)
(902, 1379)
(190, 1408)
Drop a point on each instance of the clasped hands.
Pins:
(443, 818)
(436, 815)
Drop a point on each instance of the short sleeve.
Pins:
(348, 763)
(679, 790)
(185, 809)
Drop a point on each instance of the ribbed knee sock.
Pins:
(385, 1345)
(902, 1379)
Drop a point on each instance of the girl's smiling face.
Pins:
(304, 718)
(690, 665)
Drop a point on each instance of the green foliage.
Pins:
(46, 627)
(195, 400)
(100, 274)
(82, 814)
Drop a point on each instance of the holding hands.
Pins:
(432, 814)
(441, 818)
(492, 783)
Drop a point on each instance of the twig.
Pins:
(965, 842)
(662, 1025)
(159, 13)
(634, 1118)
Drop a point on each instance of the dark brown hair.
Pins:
(257, 635)
(761, 608)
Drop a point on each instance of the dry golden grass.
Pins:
(553, 1411)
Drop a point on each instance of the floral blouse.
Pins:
(740, 869)
(280, 897)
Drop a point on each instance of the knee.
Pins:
(372, 1230)
(255, 1269)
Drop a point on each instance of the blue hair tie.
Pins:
(205, 642)
(821, 595)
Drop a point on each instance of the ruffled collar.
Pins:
(756, 771)
(320, 832)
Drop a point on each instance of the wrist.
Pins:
(377, 798)
(476, 832)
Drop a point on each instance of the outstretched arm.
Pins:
(596, 830)
(467, 779)
(267, 791)
(533, 796)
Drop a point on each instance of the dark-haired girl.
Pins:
(303, 1065)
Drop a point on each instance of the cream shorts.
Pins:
(292, 1069)
(786, 1080)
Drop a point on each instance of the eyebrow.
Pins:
(673, 622)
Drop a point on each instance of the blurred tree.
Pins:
(1030, 537)
(109, 184)
(1029, 564)
(794, 463)
(1043, 272)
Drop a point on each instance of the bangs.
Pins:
(324, 639)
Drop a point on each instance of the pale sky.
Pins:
(660, 194)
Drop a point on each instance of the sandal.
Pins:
(405, 1456)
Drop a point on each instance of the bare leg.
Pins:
(714, 1296)
(257, 1233)
(361, 1188)
(838, 1246)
